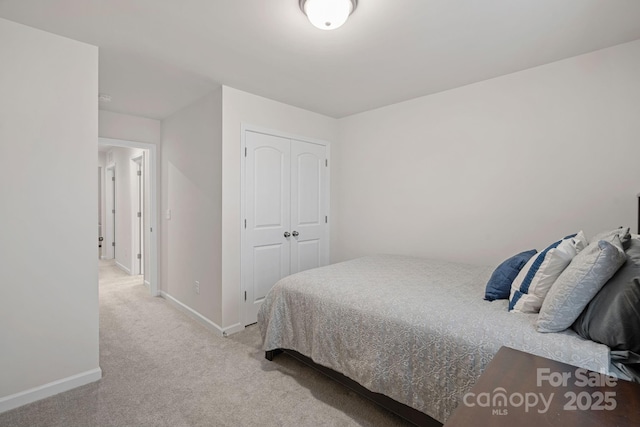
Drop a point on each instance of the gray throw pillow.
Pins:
(613, 315)
(621, 232)
(579, 283)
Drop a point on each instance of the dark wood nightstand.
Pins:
(520, 389)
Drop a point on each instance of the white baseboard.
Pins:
(47, 390)
(233, 329)
(147, 284)
(123, 268)
(223, 332)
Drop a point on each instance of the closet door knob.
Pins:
(295, 234)
(287, 234)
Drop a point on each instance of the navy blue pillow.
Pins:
(499, 285)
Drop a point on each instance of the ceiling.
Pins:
(157, 56)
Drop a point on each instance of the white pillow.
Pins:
(579, 283)
(580, 241)
(535, 279)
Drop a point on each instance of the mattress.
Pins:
(413, 329)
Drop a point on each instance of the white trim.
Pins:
(153, 204)
(101, 211)
(258, 129)
(193, 314)
(123, 268)
(233, 329)
(28, 396)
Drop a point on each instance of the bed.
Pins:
(415, 330)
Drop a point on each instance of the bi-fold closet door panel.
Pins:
(266, 250)
(285, 205)
(308, 206)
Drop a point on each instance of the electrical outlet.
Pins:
(196, 287)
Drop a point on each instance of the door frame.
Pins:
(244, 128)
(101, 209)
(152, 229)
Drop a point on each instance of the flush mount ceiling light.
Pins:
(328, 14)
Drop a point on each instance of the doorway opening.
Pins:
(129, 207)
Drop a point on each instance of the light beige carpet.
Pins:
(161, 368)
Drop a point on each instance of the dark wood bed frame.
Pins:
(408, 413)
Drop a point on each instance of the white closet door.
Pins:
(309, 243)
(266, 250)
(286, 200)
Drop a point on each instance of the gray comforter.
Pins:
(413, 329)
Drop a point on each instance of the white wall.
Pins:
(129, 128)
(192, 190)
(244, 108)
(48, 251)
(480, 172)
(201, 162)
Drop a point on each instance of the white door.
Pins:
(309, 242)
(285, 205)
(138, 216)
(266, 255)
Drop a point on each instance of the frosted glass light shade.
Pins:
(327, 14)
